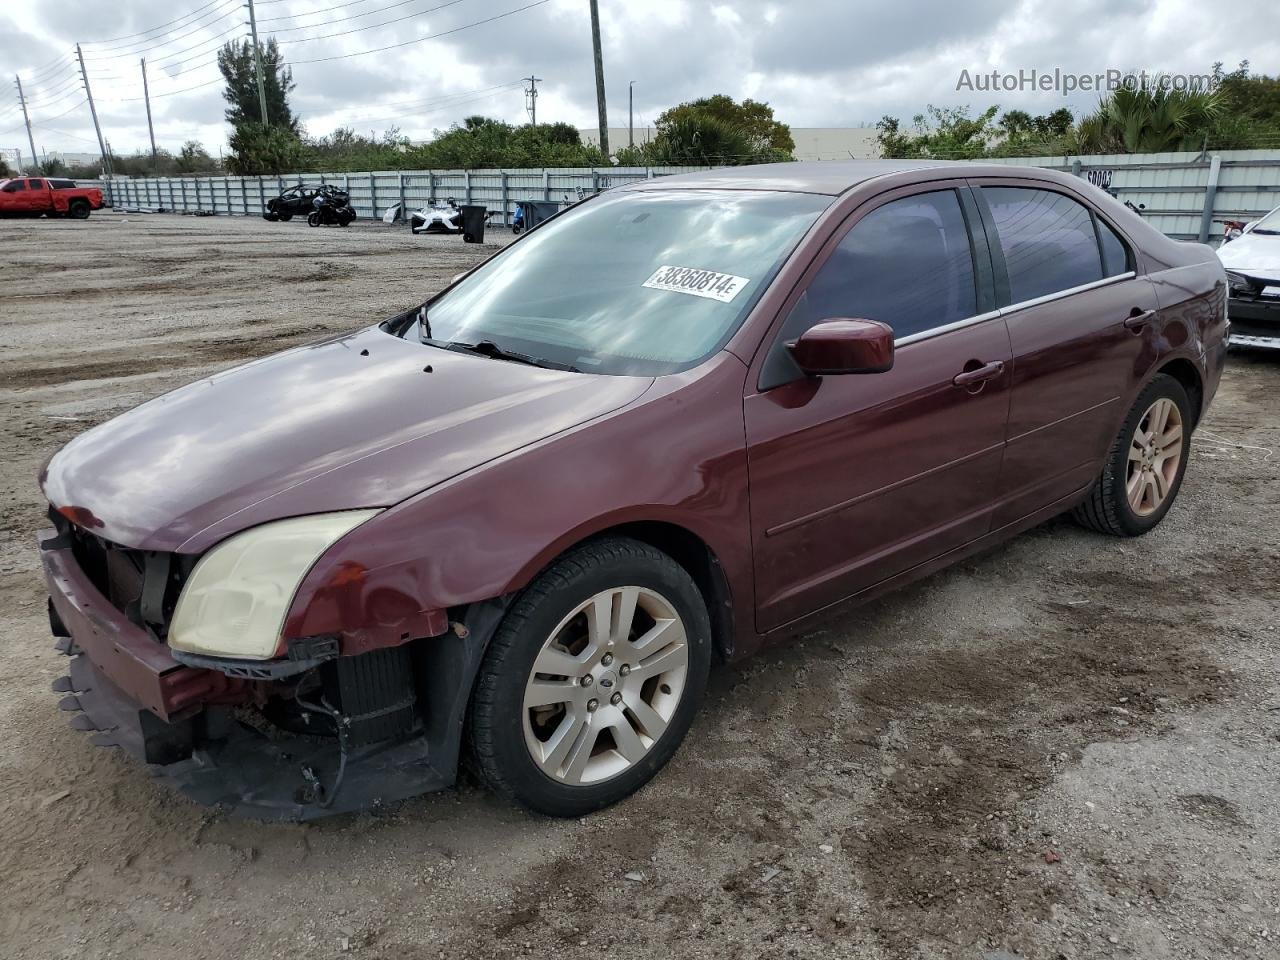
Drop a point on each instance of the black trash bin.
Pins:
(535, 211)
(473, 222)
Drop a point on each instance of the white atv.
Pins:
(439, 218)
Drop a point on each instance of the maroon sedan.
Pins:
(525, 518)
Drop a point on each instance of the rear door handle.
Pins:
(1137, 321)
(982, 374)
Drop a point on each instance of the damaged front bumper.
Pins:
(1255, 316)
(197, 728)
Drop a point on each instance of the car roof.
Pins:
(831, 177)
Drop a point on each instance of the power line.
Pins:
(440, 105)
(357, 16)
(169, 93)
(310, 13)
(431, 101)
(63, 133)
(169, 41)
(434, 36)
(70, 109)
(371, 26)
(58, 67)
(194, 15)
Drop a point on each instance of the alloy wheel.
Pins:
(1155, 455)
(605, 685)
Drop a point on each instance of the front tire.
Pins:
(1145, 465)
(313, 218)
(592, 680)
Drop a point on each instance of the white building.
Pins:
(812, 143)
(12, 157)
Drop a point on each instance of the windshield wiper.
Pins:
(1265, 231)
(487, 348)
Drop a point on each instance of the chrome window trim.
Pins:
(1011, 308)
(946, 328)
(1049, 297)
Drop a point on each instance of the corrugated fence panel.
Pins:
(1170, 186)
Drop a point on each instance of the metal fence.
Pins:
(1183, 193)
(372, 193)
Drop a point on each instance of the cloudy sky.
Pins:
(818, 62)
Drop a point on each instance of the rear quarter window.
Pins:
(1115, 255)
(62, 184)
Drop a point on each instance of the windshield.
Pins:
(631, 283)
(1269, 224)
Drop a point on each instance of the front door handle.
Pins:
(1137, 321)
(988, 371)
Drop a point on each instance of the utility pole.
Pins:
(102, 144)
(257, 61)
(631, 109)
(26, 118)
(600, 107)
(531, 97)
(146, 95)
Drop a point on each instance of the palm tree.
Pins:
(1148, 119)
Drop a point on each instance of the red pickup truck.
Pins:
(33, 196)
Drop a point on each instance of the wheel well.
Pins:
(689, 550)
(1185, 372)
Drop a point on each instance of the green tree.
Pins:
(4, 168)
(1149, 119)
(752, 118)
(257, 149)
(236, 62)
(690, 138)
(946, 133)
(1250, 114)
(480, 142)
(193, 158)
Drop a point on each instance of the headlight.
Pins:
(235, 601)
(1239, 284)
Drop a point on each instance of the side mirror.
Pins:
(844, 346)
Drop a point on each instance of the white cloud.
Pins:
(819, 62)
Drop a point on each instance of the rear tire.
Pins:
(612, 643)
(1145, 465)
(79, 209)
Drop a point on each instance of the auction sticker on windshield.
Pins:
(700, 283)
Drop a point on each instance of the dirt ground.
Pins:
(1066, 748)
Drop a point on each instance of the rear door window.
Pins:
(1048, 241)
(908, 263)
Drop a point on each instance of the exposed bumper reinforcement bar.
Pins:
(239, 769)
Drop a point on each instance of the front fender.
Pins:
(677, 455)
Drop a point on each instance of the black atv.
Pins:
(331, 207)
(296, 201)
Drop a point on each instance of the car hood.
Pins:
(1253, 254)
(360, 421)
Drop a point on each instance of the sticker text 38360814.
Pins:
(699, 283)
